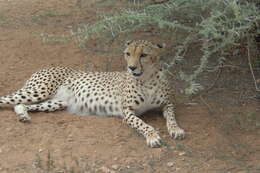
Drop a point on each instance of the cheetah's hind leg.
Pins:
(24, 96)
(22, 113)
(46, 106)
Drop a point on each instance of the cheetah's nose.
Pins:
(132, 67)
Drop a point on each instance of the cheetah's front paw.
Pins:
(176, 133)
(153, 139)
(21, 111)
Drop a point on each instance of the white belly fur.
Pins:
(68, 96)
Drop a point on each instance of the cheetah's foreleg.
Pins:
(152, 137)
(173, 128)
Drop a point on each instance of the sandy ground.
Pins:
(226, 140)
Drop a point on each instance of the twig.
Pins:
(213, 69)
(214, 83)
(220, 67)
(205, 103)
(160, 1)
(110, 41)
(250, 65)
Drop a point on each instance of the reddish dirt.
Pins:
(226, 140)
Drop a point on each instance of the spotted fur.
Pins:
(125, 94)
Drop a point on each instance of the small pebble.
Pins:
(70, 138)
(182, 153)
(115, 167)
(145, 165)
(172, 147)
(105, 169)
(170, 164)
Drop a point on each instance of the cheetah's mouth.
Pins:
(138, 74)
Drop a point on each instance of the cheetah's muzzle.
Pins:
(137, 74)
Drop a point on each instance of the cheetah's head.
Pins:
(142, 57)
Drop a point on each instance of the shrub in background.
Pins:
(216, 25)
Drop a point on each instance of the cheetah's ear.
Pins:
(163, 45)
(128, 42)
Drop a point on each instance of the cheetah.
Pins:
(143, 86)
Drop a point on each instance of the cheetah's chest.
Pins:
(148, 100)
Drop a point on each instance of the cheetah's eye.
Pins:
(143, 55)
(127, 53)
